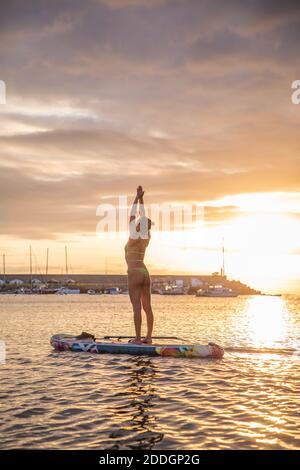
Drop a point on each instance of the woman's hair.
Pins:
(143, 224)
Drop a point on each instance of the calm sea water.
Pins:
(62, 400)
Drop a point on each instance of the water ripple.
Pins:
(248, 400)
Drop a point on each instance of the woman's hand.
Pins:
(138, 199)
(140, 192)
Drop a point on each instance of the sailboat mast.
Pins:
(66, 255)
(47, 258)
(30, 254)
(4, 274)
(223, 258)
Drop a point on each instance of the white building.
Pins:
(196, 282)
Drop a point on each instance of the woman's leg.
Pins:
(135, 280)
(146, 302)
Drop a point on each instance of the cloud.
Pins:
(35, 207)
(190, 98)
(131, 3)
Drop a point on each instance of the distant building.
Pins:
(196, 282)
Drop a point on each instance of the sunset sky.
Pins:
(189, 98)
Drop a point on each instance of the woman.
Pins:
(138, 277)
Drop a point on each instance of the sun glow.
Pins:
(266, 321)
(261, 243)
(264, 233)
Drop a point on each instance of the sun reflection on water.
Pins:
(267, 320)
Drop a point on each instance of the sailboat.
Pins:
(67, 290)
(216, 291)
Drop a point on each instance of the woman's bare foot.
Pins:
(147, 340)
(135, 341)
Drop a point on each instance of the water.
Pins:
(63, 400)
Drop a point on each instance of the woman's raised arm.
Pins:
(141, 206)
(138, 198)
(133, 210)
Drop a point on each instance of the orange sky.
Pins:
(190, 99)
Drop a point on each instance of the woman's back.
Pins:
(135, 250)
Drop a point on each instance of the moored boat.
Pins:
(216, 291)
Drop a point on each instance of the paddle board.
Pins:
(65, 342)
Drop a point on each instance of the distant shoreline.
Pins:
(92, 281)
